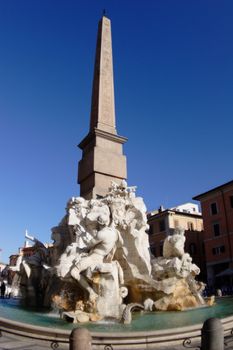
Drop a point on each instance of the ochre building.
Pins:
(217, 212)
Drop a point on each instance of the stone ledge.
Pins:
(131, 340)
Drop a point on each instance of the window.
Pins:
(216, 228)
(176, 223)
(213, 208)
(218, 250)
(231, 201)
(192, 249)
(190, 226)
(161, 225)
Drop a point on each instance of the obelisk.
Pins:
(102, 160)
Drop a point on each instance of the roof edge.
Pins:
(199, 196)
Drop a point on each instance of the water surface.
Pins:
(10, 309)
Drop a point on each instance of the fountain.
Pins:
(100, 267)
(99, 270)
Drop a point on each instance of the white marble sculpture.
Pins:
(177, 273)
(109, 241)
(175, 262)
(100, 265)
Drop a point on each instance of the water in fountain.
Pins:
(147, 321)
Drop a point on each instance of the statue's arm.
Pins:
(93, 242)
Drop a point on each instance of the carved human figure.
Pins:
(101, 247)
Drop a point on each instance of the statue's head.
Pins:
(103, 219)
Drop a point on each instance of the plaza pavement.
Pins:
(8, 341)
(13, 342)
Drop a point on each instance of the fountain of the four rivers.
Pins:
(100, 270)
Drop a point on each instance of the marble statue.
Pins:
(109, 242)
(177, 273)
(100, 266)
(174, 245)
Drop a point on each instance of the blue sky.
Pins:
(173, 71)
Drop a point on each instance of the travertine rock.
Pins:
(180, 299)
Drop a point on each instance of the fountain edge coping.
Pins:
(55, 334)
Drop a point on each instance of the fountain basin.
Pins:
(151, 330)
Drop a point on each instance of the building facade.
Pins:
(217, 212)
(163, 222)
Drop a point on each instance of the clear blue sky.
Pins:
(173, 67)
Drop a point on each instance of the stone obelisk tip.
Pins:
(103, 104)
